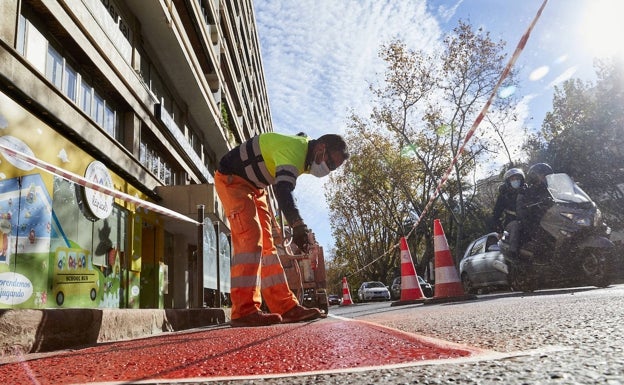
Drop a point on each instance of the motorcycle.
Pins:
(571, 244)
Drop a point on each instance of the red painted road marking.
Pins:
(325, 345)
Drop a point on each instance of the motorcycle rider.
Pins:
(531, 203)
(505, 207)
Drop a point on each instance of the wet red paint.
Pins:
(224, 352)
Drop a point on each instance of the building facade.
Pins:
(136, 97)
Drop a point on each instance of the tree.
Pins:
(584, 136)
(423, 111)
(471, 67)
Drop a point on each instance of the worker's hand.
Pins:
(300, 237)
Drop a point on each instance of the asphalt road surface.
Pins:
(566, 336)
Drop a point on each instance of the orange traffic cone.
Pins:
(447, 283)
(346, 295)
(411, 291)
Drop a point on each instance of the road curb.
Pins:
(31, 331)
(466, 297)
(408, 302)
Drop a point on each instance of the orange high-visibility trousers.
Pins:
(256, 270)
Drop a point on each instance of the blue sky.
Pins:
(320, 56)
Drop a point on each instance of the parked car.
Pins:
(373, 290)
(478, 267)
(425, 286)
(333, 299)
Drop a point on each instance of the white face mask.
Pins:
(515, 183)
(319, 170)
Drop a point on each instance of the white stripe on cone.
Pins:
(446, 274)
(447, 282)
(346, 295)
(410, 288)
(440, 243)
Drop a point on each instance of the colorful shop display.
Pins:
(62, 245)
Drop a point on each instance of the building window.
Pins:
(54, 67)
(21, 35)
(98, 112)
(44, 57)
(86, 96)
(110, 121)
(156, 163)
(35, 46)
(70, 83)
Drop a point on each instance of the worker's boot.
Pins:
(257, 319)
(300, 313)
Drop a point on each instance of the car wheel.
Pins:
(467, 284)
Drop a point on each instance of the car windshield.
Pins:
(563, 188)
(375, 284)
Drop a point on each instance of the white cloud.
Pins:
(447, 12)
(319, 58)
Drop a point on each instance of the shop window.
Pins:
(102, 242)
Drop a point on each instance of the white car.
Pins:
(373, 290)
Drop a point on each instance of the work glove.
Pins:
(300, 237)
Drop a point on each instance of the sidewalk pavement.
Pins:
(25, 331)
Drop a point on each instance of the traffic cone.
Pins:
(447, 283)
(411, 292)
(346, 295)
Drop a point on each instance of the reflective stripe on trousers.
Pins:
(256, 269)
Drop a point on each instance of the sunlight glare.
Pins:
(538, 73)
(506, 92)
(602, 28)
(565, 75)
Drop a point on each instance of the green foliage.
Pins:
(233, 136)
(584, 136)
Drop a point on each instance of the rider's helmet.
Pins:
(514, 173)
(537, 172)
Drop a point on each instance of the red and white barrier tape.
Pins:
(473, 128)
(94, 186)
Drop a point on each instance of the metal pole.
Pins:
(199, 302)
(218, 248)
